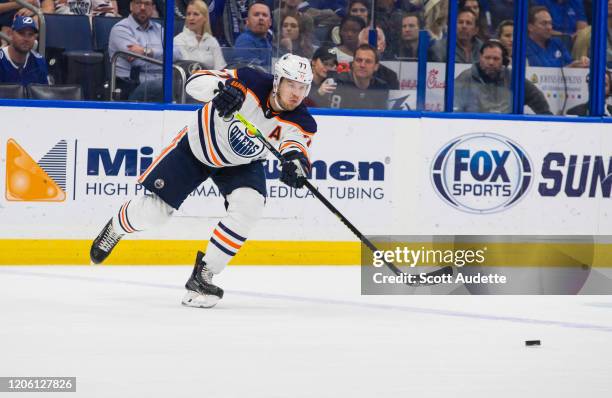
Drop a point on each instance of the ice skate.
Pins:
(201, 292)
(103, 245)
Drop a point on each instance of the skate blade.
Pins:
(197, 300)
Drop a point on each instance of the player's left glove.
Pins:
(295, 170)
(230, 97)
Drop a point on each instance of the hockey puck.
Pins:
(531, 343)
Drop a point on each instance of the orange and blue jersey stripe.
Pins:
(163, 154)
(290, 144)
(208, 138)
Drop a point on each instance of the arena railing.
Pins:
(126, 54)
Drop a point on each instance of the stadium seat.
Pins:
(101, 31)
(58, 92)
(179, 23)
(188, 67)
(87, 70)
(65, 33)
(102, 27)
(68, 32)
(12, 90)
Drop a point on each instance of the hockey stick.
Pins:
(447, 270)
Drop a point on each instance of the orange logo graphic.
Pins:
(31, 181)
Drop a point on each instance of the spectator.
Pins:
(8, 10)
(388, 16)
(349, 39)
(158, 7)
(588, 10)
(485, 87)
(542, 48)
(291, 7)
(501, 10)
(505, 34)
(582, 45)
(136, 78)
(254, 41)
(435, 14)
(481, 19)
(411, 5)
(583, 109)
(383, 73)
(323, 12)
(324, 63)
(359, 88)
(361, 9)
(407, 45)
(357, 8)
(81, 7)
(468, 45)
(18, 62)
(567, 15)
(381, 40)
(294, 37)
(196, 42)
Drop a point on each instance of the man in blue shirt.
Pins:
(567, 15)
(139, 79)
(18, 63)
(542, 48)
(253, 44)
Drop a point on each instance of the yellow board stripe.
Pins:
(254, 252)
(176, 252)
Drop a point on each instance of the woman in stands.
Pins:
(357, 8)
(349, 40)
(295, 37)
(196, 42)
(435, 14)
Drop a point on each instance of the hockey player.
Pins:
(215, 144)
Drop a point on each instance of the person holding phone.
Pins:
(324, 63)
(81, 7)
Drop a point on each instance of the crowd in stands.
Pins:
(335, 36)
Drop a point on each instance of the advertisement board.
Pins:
(65, 172)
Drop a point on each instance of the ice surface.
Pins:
(294, 332)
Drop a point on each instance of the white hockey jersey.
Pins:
(219, 142)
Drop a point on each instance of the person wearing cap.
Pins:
(324, 63)
(8, 10)
(18, 62)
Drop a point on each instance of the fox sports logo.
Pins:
(241, 142)
(481, 173)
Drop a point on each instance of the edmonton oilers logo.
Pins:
(241, 143)
(481, 173)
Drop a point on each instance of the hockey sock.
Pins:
(245, 206)
(141, 214)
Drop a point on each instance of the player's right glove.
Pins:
(230, 97)
(295, 170)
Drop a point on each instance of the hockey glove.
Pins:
(230, 97)
(295, 170)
